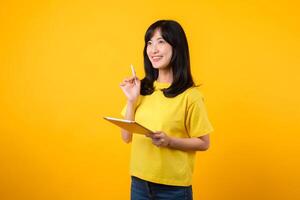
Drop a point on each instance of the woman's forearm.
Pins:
(189, 144)
(129, 115)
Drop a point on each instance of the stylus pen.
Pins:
(133, 73)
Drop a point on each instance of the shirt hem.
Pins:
(160, 180)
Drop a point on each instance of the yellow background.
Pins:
(61, 64)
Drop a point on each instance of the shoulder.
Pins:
(194, 94)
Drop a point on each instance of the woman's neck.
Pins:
(165, 75)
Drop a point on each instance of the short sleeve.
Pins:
(197, 122)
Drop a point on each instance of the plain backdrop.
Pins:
(61, 64)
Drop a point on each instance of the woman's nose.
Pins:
(154, 49)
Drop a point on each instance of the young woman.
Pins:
(167, 102)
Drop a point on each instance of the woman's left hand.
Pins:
(160, 139)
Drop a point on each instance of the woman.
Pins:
(167, 102)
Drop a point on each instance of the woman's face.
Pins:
(159, 51)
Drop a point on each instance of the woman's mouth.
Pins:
(156, 58)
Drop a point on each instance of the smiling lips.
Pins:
(156, 58)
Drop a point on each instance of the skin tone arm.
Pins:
(131, 89)
(160, 139)
(129, 115)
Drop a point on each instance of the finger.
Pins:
(151, 135)
(156, 143)
(127, 82)
(159, 143)
(122, 84)
(129, 79)
(138, 82)
(156, 136)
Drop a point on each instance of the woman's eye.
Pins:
(161, 41)
(149, 43)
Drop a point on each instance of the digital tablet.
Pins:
(131, 126)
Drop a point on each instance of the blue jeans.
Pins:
(145, 190)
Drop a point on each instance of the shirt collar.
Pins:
(160, 85)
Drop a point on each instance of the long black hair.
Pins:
(173, 33)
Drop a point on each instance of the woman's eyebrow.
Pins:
(157, 38)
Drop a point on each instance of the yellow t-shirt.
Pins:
(183, 116)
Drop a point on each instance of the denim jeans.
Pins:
(145, 190)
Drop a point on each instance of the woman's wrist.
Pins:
(132, 102)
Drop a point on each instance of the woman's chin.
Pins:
(158, 66)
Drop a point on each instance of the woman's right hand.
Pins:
(131, 88)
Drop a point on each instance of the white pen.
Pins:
(133, 73)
